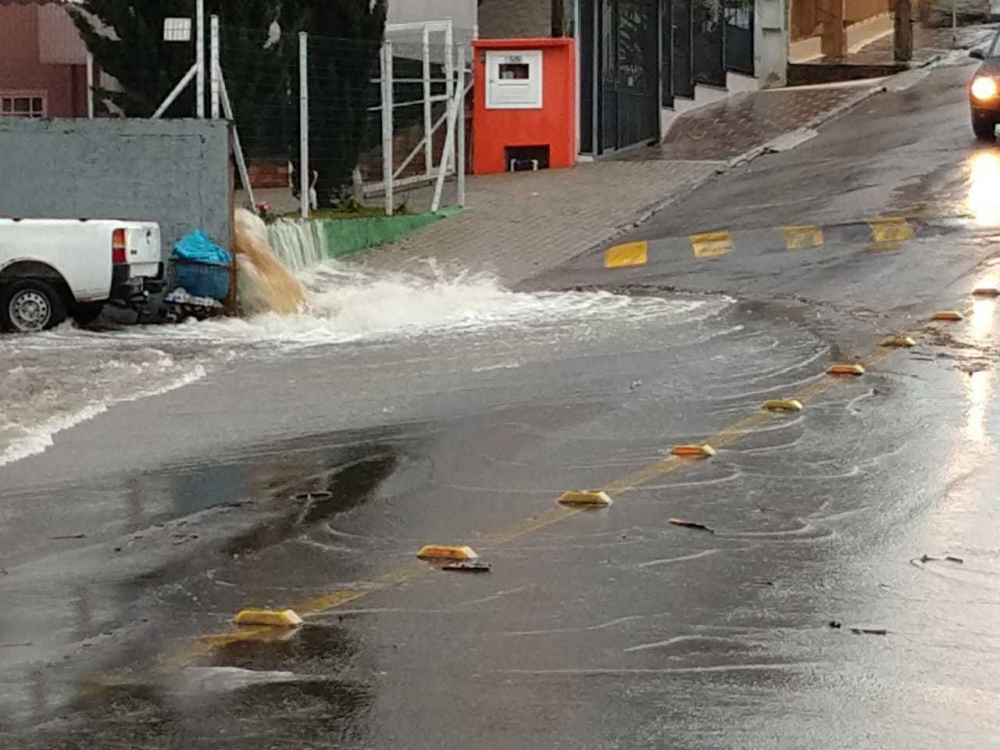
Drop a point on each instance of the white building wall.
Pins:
(463, 13)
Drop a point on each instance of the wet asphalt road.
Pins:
(603, 629)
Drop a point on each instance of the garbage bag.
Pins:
(201, 267)
(197, 247)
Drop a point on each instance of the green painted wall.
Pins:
(349, 236)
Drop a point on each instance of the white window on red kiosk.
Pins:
(514, 79)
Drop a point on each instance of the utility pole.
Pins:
(902, 37)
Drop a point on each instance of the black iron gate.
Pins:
(683, 72)
(620, 59)
(709, 43)
(739, 36)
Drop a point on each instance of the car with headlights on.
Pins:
(984, 91)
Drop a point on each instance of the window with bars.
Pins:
(22, 105)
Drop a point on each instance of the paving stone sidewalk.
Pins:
(743, 122)
(518, 225)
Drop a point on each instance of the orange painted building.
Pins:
(525, 104)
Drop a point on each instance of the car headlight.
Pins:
(984, 88)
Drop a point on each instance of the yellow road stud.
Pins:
(899, 341)
(845, 370)
(987, 290)
(440, 552)
(948, 315)
(593, 498)
(789, 404)
(693, 451)
(283, 618)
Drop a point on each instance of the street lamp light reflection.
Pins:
(984, 189)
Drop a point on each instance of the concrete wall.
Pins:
(461, 12)
(513, 19)
(771, 31)
(175, 172)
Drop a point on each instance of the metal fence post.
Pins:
(304, 170)
(90, 86)
(215, 67)
(428, 144)
(387, 141)
(199, 45)
(449, 72)
(460, 124)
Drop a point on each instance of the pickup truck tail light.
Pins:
(118, 247)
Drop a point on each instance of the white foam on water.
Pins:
(31, 439)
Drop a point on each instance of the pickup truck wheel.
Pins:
(30, 305)
(87, 312)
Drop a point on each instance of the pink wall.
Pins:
(64, 86)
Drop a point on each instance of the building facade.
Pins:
(643, 62)
(43, 62)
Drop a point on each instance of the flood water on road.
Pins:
(52, 381)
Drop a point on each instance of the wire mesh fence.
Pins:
(373, 111)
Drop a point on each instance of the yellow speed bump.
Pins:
(948, 315)
(711, 244)
(845, 370)
(592, 498)
(800, 238)
(693, 451)
(275, 618)
(987, 290)
(789, 404)
(890, 231)
(441, 552)
(899, 341)
(629, 254)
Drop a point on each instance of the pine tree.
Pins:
(261, 72)
(344, 43)
(126, 39)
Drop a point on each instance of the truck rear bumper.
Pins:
(128, 288)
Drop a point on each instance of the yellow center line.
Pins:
(404, 573)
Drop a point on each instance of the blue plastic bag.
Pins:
(201, 267)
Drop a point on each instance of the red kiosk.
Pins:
(525, 105)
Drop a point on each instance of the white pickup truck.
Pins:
(54, 268)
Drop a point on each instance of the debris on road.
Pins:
(68, 536)
(690, 525)
(869, 631)
(469, 566)
(835, 624)
(946, 558)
